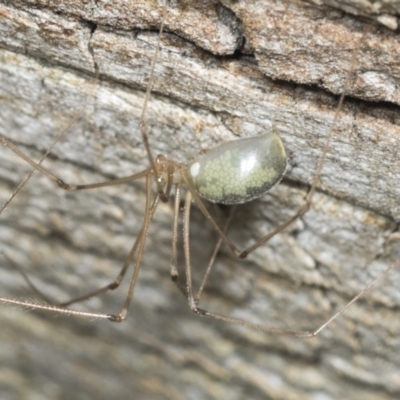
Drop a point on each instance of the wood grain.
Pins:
(226, 69)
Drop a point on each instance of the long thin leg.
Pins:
(174, 258)
(139, 244)
(124, 311)
(22, 184)
(111, 286)
(117, 281)
(27, 279)
(186, 247)
(143, 129)
(202, 312)
(213, 256)
(55, 309)
(36, 166)
(49, 150)
(65, 185)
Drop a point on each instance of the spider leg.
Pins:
(193, 303)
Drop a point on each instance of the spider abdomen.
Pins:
(241, 170)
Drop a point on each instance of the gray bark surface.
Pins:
(226, 69)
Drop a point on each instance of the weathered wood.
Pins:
(204, 95)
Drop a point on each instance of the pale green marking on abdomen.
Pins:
(241, 170)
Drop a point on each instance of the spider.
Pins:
(167, 175)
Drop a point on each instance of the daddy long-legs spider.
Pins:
(299, 270)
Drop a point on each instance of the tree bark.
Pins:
(225, 70)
